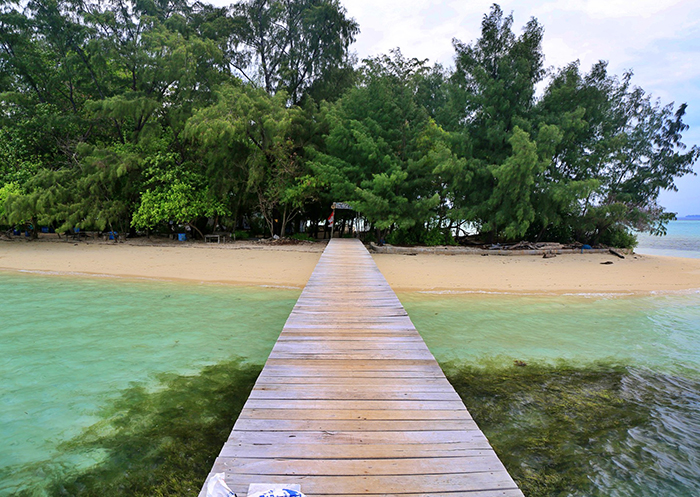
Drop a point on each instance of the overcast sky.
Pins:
(658, 39)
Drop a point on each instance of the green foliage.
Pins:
(252, 132)
(6, 191)
(291, 46)
(619, 237)
(163, 442)
(124, 114)
(174, 193)
(241, 235)
(420, 235)
(379, 146)
(302, 237)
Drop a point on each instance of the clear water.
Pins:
(681, 240)
(611, 389)
(70, 346)
(659, 332)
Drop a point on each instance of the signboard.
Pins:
(342, 206)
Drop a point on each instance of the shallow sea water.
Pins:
(681, 240)
(604, 398)
(608, 403)
(70, 346)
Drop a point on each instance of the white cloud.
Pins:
(600, 9)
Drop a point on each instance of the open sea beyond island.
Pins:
(103, 377)
(681, 240)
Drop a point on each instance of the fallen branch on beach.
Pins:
(615, 252)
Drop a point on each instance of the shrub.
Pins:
(302, 237)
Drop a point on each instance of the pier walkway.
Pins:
(352, 402)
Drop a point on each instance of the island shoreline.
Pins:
(289, 266)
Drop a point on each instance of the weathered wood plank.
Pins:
(281, 438)
(247, 424)
(362, 467)
(376, 415)
(343, 393)
(378, 484)
(351, 401)
(366, 405)
(358, 451)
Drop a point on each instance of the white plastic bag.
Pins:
(216, 487)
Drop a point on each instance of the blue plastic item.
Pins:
(181, 237)
(44, 230)
(113, 235)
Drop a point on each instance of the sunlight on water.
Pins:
(70, 346)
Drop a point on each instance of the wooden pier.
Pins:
(352, 402)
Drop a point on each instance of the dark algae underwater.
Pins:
(561, 430)
(599, 429)
(155, 443)
(580, 395)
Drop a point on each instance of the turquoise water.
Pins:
(605, 395)
(682, 240)
(70, 346)
(660, 332)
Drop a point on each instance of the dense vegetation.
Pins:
(133, 115)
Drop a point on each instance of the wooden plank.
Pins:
(344, 346)
(351, 401)
(246, 424)
(426, 365)
(376, 382)
(378, 484)
(362, 467)
(281, 438)
(334, 393)
(366, 405)
(376, 415)
(283, 372)
(358, 451)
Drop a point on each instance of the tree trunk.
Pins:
(539, 235)
(284, 223)
(193, 226)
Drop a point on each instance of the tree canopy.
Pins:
(129, 115)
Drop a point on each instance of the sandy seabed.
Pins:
(248, 263)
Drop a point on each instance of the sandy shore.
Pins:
(290, 266)
(235, 263)
(570, 273)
